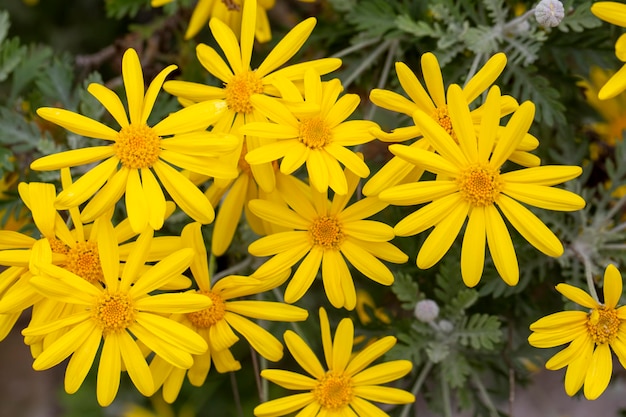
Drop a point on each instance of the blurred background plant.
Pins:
(468, 345)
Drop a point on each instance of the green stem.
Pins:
(484, 396)
(416, 387)
(355, 47)
(366, 63)
(589, 276)
(382, 81)
(445, 397)
(236, 396)
(233, 269)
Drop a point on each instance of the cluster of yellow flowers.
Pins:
(116, 288)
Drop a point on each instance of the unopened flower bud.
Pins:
(445, 326)
(549, 13)
(426, 311)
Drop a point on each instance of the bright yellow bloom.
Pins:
(318, 138)
(326, 233)
(431, 100)
(240, 82)
(614, 13)
(216, 323)
(591, 336)
(470, 184)
(347, 386)
(120, 314)
(140, 149)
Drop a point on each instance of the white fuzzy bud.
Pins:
(445, 326)
(426, 311)
(549, 13)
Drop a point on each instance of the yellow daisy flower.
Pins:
(431, 100)
(319, 138)
(614, 13)
(229, 12)
(141, 149)
(346, 387)
(215, 324)
(470, 184)
(119, 314)
(591, 336)
(326, 233)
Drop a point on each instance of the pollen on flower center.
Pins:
(137, 146)
(326, 232)
(480, 184)
(240, 89)
(315, 133)
(57, 246)
(334, 391)
(441, 116)
(602, 324)
(114, 312)
(84, 261)
(206, 318)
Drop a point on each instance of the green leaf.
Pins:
(527, 84)
(11, 54)
(17, 133)
(406, 290)
(29, 68)
(89, 106)
(373, 18)
(579, 19)
(343, 5)
(437, 351)
(480, 331)
(5, 24)
(56, 82)
(418, 29)
(122, 8)
(455, 370)
(482, 39)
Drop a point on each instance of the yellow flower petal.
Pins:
(383, 373)
(155, 199)
(107, 196)
(275, 213)
(77, 123)
(577, 295)
(267, 310)
(610, 11)
(195, 117)
(366, 263)
(473, 250)
(133, 84)
(72, 158)
(63, 347)
(288, 379)
(82, 360)
(287, 47)
(462, 124)
(563, 320)
(393, 101)
(530, 226)
(414, 88)
(577, 370)
(427, 216)
(433, 78)
(501, 246)
(544, 197)
(369, 354)
(419, 192)
(304, 275)
(183, 338)
(153, 91)
(283, 406)
(111, 101)
(385, 395)
(109, 369)
(612, 286)
(486, 76)
(260, 339)
(135, 364)
(599, 373)
(136, 202)
(513, 133)
(439, 139)
(188, 197)
(425, 159)
(87, 185)
(342, 345)
(303, 354)
(162, 272)
(443, 235)
(615, 85)
(570, 353)
(173, 303)
(545, 175)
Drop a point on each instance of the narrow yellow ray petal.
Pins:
(544, 197)
(63, 347)
(577, 295)
(462, 122)
(228, 43)
(249, 18)
(106, 197)
(136, 202)
(192, 93)
(413, 87)
(304, 275)
(443, 235)
(287, 47)
(433, 78)
(342, 345)
(111, 101)
(162, 272)
(484, 77)
(260, 339)
(133, 84)
(530, 227)
(184, 193)
(275, 213)
(195, 117)
(87, 185)
(331, 279)
(283, 406)
(473, 250)
(82, 360)
(599, 373)
(213, 62)
(153, 91)
(501, 246)
(72, 158)
(228, 216)
(612, 290)
(304, 355)
(109, 369)
(440, 139)
(154, 198)
(289, 380)
(366, 263)
(77, 123)
(546, 175)
(383, 373)
(386, 395)
(294, 72)
(513, 133)
(426, 160)
(136, 365)
(172, 332)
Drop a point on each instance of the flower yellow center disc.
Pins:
(441, 116)
(84, 261)
(326, 232)
(603, 324)
(334, 391)
(314, 133)
(240, 89)
(206, 318)
(137, 146)
(114, 312)
(480, 184)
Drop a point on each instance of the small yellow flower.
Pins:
(591, 336)
(138, 150)
(431, 100)
(346, 386)
(117, 315)
(319, 138)
(217, 323)
(326, 235)
(470, 185)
